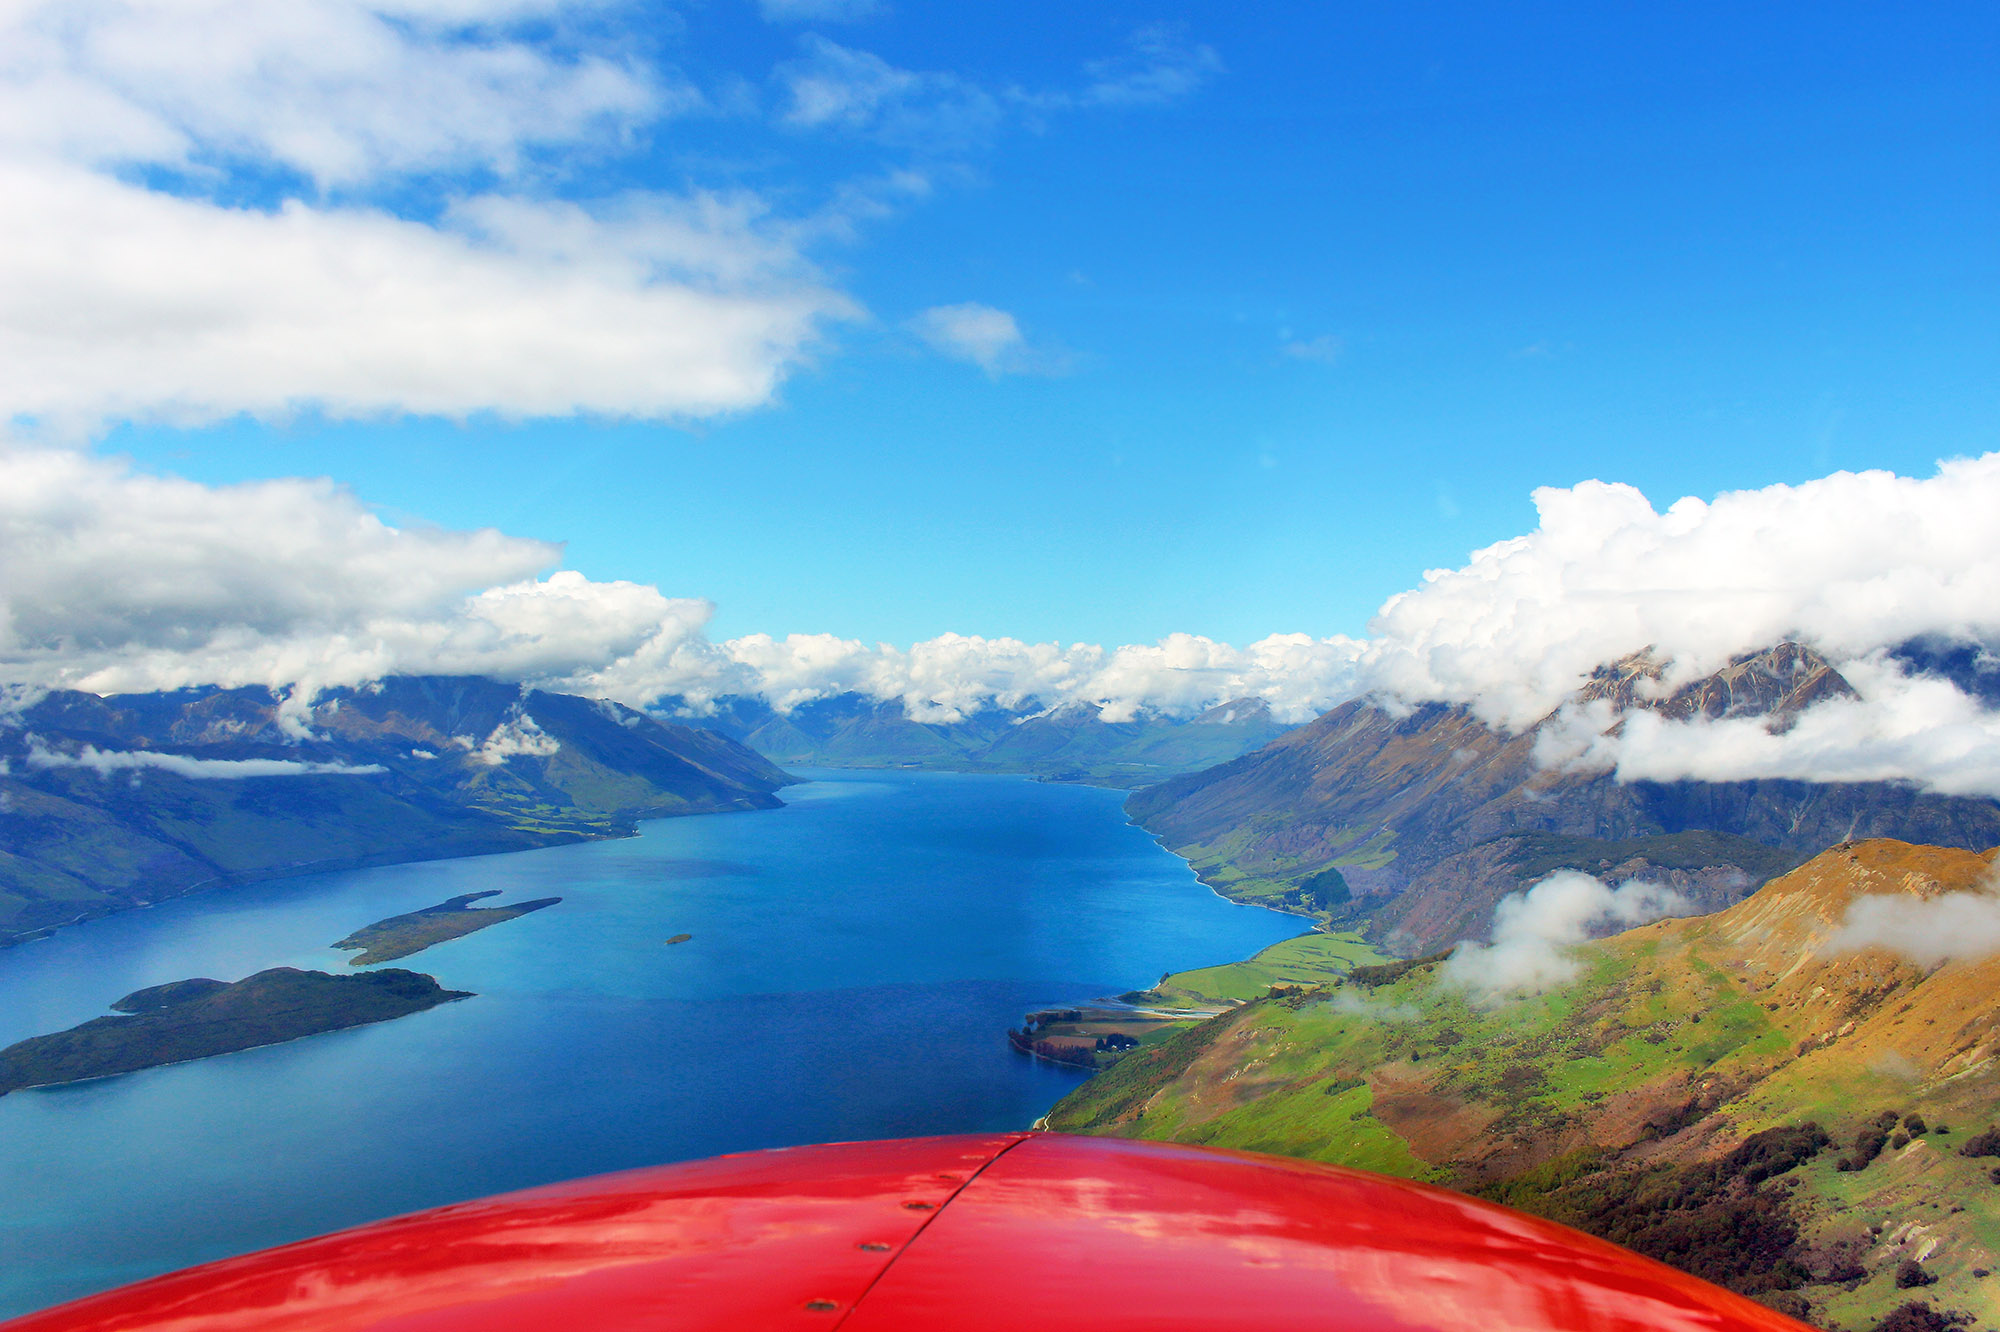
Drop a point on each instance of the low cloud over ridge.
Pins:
(119, 581)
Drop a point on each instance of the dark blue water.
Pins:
(855, 962)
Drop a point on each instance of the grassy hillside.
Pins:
(1674, 1096)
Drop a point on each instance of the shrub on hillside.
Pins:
(1982, 1144)
(1910, 1274)
(1868, 1145)
(1915, 1317)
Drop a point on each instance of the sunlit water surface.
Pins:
(856, 960)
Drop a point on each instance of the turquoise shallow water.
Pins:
(856, 959)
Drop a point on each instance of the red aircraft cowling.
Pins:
(1017, 1232)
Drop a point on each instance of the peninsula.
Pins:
(192, 1019)
(400, 936)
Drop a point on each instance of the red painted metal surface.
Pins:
(996, 1233)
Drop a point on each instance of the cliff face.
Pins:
(113, 802)
(1431, 816)
(1652, 1098)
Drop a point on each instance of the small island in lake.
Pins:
(192, 1019)
(400, 936)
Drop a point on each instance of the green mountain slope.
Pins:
(115, 802)
(1666, 1098)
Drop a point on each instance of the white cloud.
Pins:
(1902, 728)
(338, 90)
(104, 762)
(1850, 563)
(980, 334)
(1536, 933)
(944, 678)
(112, 580)
(116, 301)
(1929, 930)
(133, 286)
(516, 737)
(118, 581)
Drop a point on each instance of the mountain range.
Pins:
(1412, 823)
(1751, 1095)
(122, 801)
(1069, 742)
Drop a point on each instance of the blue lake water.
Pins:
(856, 959)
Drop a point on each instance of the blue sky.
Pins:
(1315, 315)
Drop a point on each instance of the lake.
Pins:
(856, 960)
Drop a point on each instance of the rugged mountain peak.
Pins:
(1236, 712)
(1778, 682)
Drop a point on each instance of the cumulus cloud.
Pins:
(1536, 933)
(113, 580)
(116, 581)
(134, 283)
(104, 762)
(1951, 927)
(1849, 563)
(1853, 564)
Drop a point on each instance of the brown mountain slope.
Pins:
(1431, 816)
(1665, 1098)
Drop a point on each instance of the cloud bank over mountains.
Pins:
(117, 581)
(1850, 563)
(120, 581)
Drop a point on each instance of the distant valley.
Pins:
(1072, 742)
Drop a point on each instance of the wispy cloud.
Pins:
(983, 336)
(1162, 66)
(104, 762)
(831, 87)
(1324, 349)
(818, 11)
